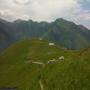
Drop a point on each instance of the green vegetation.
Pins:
(72, 73)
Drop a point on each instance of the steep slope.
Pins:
(6, 36)
(60, 31)
(17, 71)
(69, 34)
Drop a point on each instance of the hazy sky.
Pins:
(46, 10)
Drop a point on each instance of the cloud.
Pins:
(44, 10)
(7, 14)
(41, 9)
(84, 16)
(10, 16)
(88, 1)
(22, 2)
(48, 9)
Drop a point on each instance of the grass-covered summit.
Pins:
(16, 69)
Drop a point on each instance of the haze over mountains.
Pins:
(61, 31)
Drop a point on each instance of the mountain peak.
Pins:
(18, 20)
(60, 19)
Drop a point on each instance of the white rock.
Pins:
(61, 58)
(40, 39)
(51, 61)
(51, 44)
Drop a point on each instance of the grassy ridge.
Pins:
(71, 74)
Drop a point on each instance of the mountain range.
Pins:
(60, 31)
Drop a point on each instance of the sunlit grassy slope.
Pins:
(72, 73)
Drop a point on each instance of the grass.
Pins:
(73, 73)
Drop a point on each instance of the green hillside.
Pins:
(17, 69)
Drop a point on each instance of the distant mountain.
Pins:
(5, 34)
(60, 31)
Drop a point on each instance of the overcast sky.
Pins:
(46, 10)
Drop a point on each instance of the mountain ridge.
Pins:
(61, 31)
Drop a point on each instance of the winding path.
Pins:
(41, 85)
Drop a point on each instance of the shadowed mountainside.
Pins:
(61, 31)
